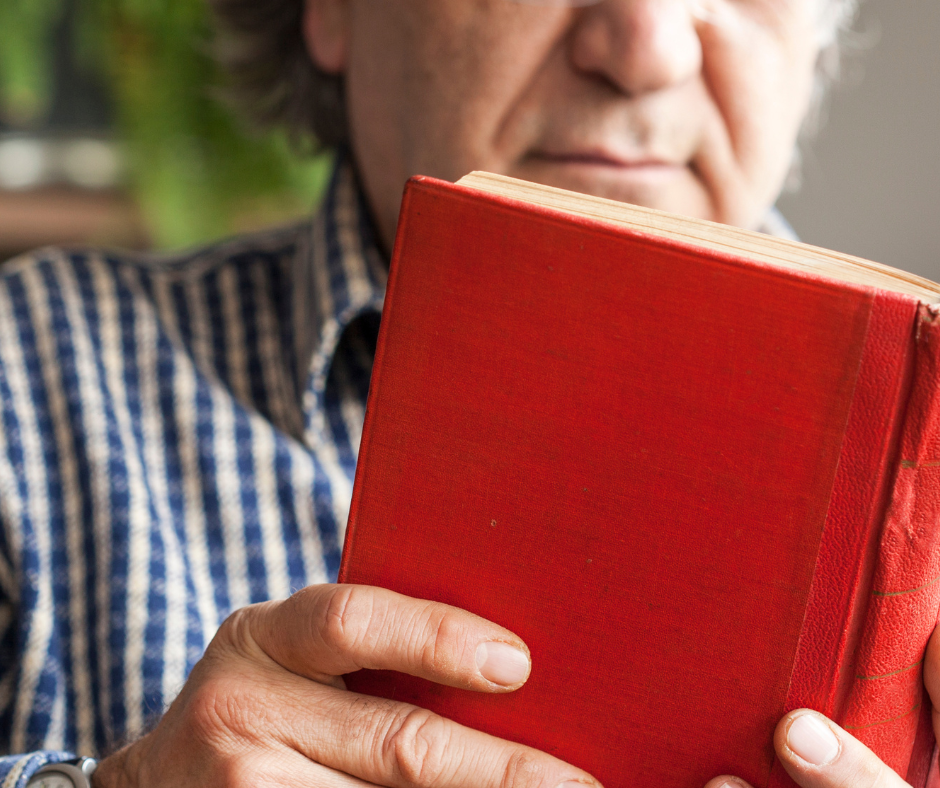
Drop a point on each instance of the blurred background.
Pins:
(112, 132)
(871, 179)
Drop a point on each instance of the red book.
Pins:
(696, 469)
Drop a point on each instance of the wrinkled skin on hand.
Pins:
(266, 706)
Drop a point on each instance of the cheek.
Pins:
(401, 82)
(430, 82)
(759, 69)
(440, 76)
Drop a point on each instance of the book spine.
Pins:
(886, 705)
(823, 671)
(375, 383)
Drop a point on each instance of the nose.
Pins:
(639, 46)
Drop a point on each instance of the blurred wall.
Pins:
(871, 183)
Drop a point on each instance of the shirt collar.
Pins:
(342, 275)
(775, 223)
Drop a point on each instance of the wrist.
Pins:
(117, 770)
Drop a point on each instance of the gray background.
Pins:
(871, 180)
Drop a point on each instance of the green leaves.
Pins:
(195, 169)
(25, 57)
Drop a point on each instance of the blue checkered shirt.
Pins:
(179, 439)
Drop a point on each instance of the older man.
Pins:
(179, 435)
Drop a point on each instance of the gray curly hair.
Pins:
(260, 44)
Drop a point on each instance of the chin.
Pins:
(665, 188)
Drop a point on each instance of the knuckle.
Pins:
(236, 773)
(524, 768)
(348, 618)
(237, 632)
(932, 667)
(868, 773)
(448, 638)
(220, 711)
(246, 771)
(416, 745)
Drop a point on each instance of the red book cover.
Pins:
(698, 486)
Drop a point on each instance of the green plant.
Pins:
(25, 62)
(196, 171)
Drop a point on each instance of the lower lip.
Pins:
(644, 170)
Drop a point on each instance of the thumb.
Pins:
(817, 753)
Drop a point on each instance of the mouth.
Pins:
(612, 165)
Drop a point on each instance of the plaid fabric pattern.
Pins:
(178, 439)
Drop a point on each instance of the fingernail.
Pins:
(502, 664)
(812, 740)
(573, 784)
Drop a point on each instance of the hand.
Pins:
(266, 706)
(817, 753)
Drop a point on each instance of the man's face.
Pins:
(690, 106)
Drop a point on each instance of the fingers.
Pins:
(932, 677)
(817, 753)
(273, 766)
(726, 781)
(402, 746)
(378, 741)
(242, 719)
(330, 630)
(294, 769)
(325, 631)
